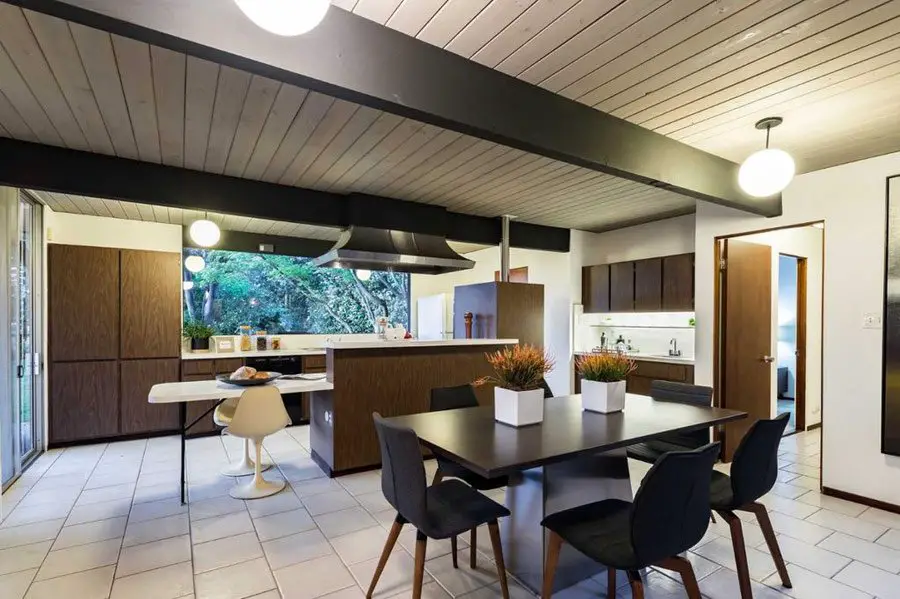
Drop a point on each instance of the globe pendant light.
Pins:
(363, 274)
(768, 171)
(285, 17)
(205, 233)
(194, 263)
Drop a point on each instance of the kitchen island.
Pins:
(393, 378)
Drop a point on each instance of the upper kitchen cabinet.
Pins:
(648, 285)
(150, 284)
(621, 287)
(678, 283)
(83, 303)
(595, 288)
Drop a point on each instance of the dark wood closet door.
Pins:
(84, 400)
(83, 302)
(648, 285)
(151, 304)
(678, 283)
(621, 287)
(137, 377)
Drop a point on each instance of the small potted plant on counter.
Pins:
(603, 381)
(518, 372)
(199, 333)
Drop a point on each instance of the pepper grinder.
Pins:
(467, 318)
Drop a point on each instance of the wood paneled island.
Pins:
(393, 378)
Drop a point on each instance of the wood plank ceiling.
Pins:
(699, 71)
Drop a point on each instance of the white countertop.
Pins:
(270, 353)
(416, 343)
(212, 389)
(688, 361)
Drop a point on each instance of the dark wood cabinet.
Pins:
(621, 287)
(595, 288)
(135, 380)
(151, 304)
(648, 285)
(83, 303)
(678, 283)
(84, 400)
(640, 380)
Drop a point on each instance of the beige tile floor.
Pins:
(105, 521)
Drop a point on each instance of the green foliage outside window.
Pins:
(287, 294)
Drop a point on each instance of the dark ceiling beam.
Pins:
(358, 60)
(49, 168)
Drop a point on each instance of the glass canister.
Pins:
(245, 337)
(276, 342)
(261, 341)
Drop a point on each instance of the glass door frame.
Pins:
(32, 365)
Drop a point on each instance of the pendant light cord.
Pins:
(768, 129)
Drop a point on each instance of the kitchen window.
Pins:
(287, 294)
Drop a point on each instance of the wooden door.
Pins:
(83, 302)
(84, 400)
(621, 287)
(135, 380)
(595, 288)
(648, 285)
(151, 304)
(678, 283)
(746, 359)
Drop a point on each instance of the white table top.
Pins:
(211, 389)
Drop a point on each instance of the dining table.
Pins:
(573, 457)
(188, 391)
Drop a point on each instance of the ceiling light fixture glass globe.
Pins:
(285, 17)
(766, 172)
(363, 274)
(194, 263)
(205, 233)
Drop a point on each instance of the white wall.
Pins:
(550, 269)
(805, 242)
(98, 231)
(850, 199)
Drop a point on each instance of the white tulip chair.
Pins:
(259, 413)
(222, 416)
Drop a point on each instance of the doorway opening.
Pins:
(768, 328)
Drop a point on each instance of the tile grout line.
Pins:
(112, 583)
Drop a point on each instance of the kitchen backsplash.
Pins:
(649, 332)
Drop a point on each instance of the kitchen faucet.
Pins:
(673, 348)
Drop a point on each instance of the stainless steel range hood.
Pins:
(398, 251)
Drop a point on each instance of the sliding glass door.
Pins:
(21, 413)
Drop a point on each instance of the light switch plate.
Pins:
(871, 320)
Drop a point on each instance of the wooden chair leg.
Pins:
(386, 553)
(419, 572)
(762, 516)
(553, 548)
(610, 582)
(684, 568)
(740, 552)
(453, 550)
(637, 585)
(494, 529)
(438, 477)
(473, 539)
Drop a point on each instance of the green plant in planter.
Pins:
(605, 367)
(199, 333)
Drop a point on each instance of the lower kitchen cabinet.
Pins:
(640, 381)
(84, 400)
(137, 377)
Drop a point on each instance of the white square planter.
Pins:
(518, 408)
(603, 397)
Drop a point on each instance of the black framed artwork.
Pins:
(890, 407)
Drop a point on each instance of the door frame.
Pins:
(718, 332)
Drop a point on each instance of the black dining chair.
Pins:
(441, 511)
(548, 392)
(753, 473)
(650, 451)
(669, 515)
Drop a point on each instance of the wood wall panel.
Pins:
(678, 283)
(135, 380)
(84, 400)
(621, 282)
(520, 312)
(648, 285)
(595, 288)
(151, 304)
(83, 302)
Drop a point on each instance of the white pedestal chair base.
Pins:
(257, 489)
(244, 467)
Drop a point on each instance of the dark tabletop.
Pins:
(472, 437)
